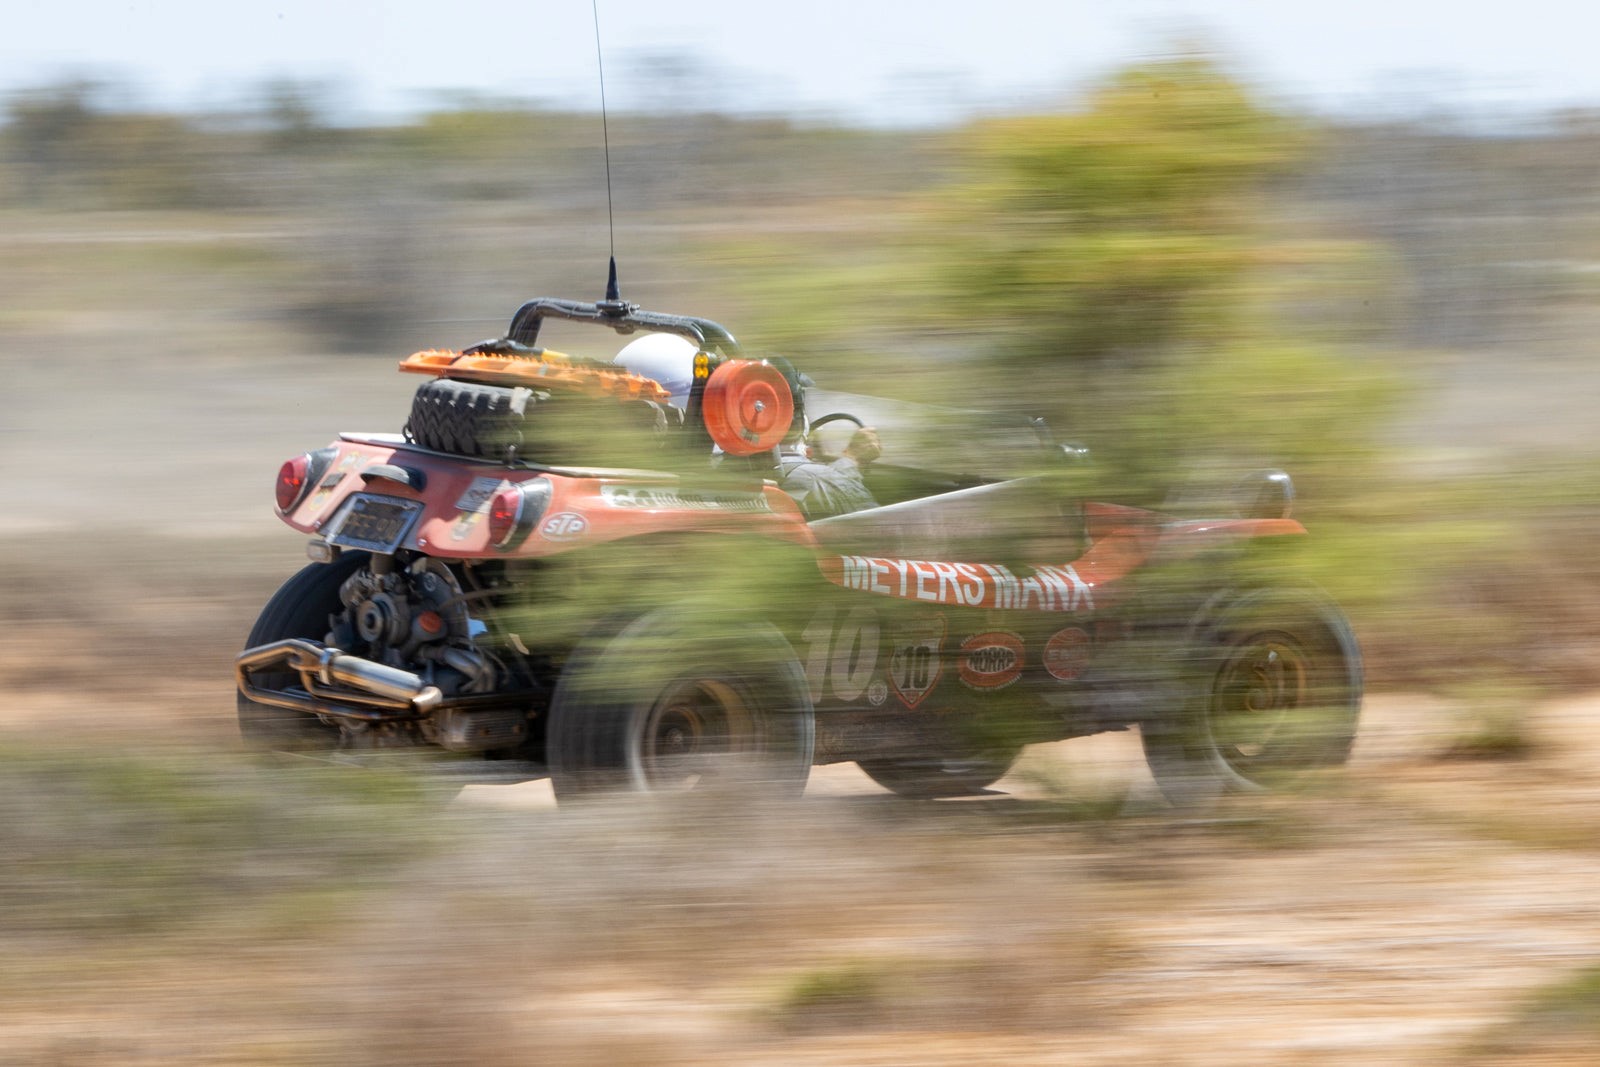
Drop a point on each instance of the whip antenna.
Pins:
(613, 294)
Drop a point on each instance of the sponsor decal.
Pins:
(479, 493)
(877, 692)
(855, 654)
(1066, 654)
(916, 664)
(662, 498)
(564, 526)
(325, 488)
(464, 524)
(991, 660)
(972, 585)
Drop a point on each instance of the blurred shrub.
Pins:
(68, 147)
(1120, 229)
(1123, 269)
(1487, 220)
(1492, 723)
(364, 278)
(834, 997)
(144, 844)
(1556, 1023)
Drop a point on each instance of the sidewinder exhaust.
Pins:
(368, 691)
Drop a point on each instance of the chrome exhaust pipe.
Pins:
(380, 691)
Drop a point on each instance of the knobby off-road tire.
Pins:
(498, 422)
(1272, 685)
(935, 779)
(300, 608)
(466, 419)
(661, 703)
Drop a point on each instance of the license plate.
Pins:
(375, 523)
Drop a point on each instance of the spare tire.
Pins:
(467, 419)
(503, 423)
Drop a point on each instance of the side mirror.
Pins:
(1071, 454)
(1065, 453)
(1264, 494)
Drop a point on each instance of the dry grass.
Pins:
(189, 909)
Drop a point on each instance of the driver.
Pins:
(665, 358)
(824, 472)
(826, 479)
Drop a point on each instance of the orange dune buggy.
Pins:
(563, 568)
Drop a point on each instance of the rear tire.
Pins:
(301, 607)
(662, 703)
(1273, 680)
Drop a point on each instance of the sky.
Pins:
(886, 62)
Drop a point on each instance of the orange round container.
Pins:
(748, 407)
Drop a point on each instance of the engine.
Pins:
(416, 618)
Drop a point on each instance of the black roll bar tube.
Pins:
(622, 317)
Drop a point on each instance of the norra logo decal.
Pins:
(992, 660)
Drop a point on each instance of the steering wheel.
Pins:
(836, 416)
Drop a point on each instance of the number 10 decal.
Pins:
(844, 661)
(917, 662)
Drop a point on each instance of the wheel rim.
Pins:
(691, 732)
(1261, 702)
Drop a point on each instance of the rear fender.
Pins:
(585, 506)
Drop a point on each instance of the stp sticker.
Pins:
(1066, 654)
(915, 665)
(991, 660)
(563, 526)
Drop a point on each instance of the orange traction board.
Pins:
(549, 370)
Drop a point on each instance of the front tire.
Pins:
(661, 703)
(938, 779)
(1272, 681)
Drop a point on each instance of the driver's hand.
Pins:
(864, 446)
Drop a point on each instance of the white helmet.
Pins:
(664, 357)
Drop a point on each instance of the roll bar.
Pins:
(621, 317)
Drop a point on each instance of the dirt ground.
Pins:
(1411, 910)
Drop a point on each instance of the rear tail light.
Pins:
(292, 481)
(504, 511)
(515, 511)
(297, 476)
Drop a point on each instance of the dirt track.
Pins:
(1396, 920)
(1402, 915)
